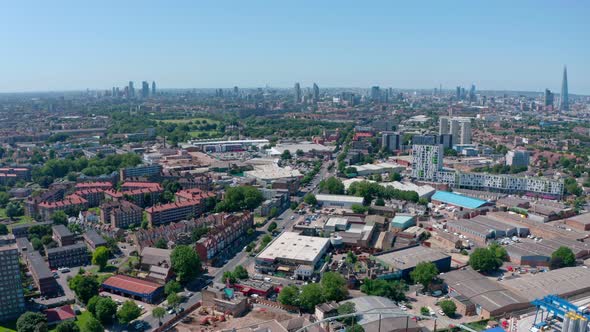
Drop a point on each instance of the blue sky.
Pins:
(513, 45)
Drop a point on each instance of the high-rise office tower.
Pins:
(131, 90)
(548, 97)
(12, 301)
(458, 93)
(297, 93)
(316, 92)
(375, 94)
(564, 104)
(145, 89)
(472, 93)
(153, 88)
(236, 91)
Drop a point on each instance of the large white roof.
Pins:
(292, 246)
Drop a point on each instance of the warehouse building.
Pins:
(290, 250)
(341, 201)
(134, 288)
(565, 282)
(538, 253)
(460, 201)
(580, 222)
(475, 294)
(403, 261)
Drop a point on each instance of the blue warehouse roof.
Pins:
(458, 200)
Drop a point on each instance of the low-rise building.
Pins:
(62, 235)
(68, 256)
(403, 261)
(172, 212)
(224, 299)
(134, 288)
(70, 204)
(289, 250)
(121, 214)
(342, 201)
(223, 234)
(42, 276)
(93, 239)
(22, 231)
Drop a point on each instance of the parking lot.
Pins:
(146, 308)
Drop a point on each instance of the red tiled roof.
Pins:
(69, 200)
(171, 206)
(88, 191)
(195, 193)
(85, 185)
(59, 314)
(152, 185)
(4, 175)
(132, 284)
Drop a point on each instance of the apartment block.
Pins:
(62, 235)
(120, 214)
(141, 171)
(223, 235)
(68, 256)
(42, 276)
(69, 204)
(12, 301)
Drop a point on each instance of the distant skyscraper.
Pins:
(564, 104)
(472, 93)
(236, 91)
(297, 93)
(145, 89)
(375, 94)
(316, 92)
(153, 88)
(548, 97)
(131, 90)
(458, 94)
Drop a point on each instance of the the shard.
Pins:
(564, 104)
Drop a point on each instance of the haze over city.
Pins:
(503, 45)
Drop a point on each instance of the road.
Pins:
(243, 258)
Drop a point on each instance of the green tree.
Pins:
(310, 199)
(161, 243)
(380, 201)
(392, 289)
(566, 255)
(239, 199)
(311, 295)
(228, 276)
(91, 305)
(91, 324)
(499, 252)
(14, 209)
(128, 312)
(173, 299)
(273, 212)
(272, 226)
(59, 217)
(172, 286)
(424, 311)
(3, 229)
(332, 185)
(185, 263)
(346, 309)
(394, 176)
(357, 208)
(333, 287)
(67, 326)
(100, 257)
(289, 295)
(485, 260)
(286, 155)
(106, 308)
(448, 307)
(240, 272)
(355, 328)
(351, 258)
(424, 273)
(198, 232)
(159, 313)
(31, 322)
(85, 287)
(4, 198)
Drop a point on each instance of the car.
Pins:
(440, 312)
(141, 306)
(189, 294)
(171, 311)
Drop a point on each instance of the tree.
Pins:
(333, 287)
(351, 258)
(286, 155)
(566, 255)
(100, 257)
(395, 176)
(173, 299)
(380, 202)
(228, 276)
(485, 260)
(392, 289)
(289, 295)
(355, 328)
(171, 287)
(424, 273)
(272, 226)
(346, 309)
(161, 243)
(3, 229)
(239, 199)
(198, 232)
(14, 209)
(91, 325)
(273, 212)
(448, 307)
(240, 272)
(67, 326)
(357, 208)
(159, 313)
(4, 198)
(424, 311)
(128, 312)
(185, 263)
(311, 295)
(332, 185)
(499, 252)
(106, 308)
(59, 217)
(31, 322)
(85, 287)
(91, 305)
(310, 199)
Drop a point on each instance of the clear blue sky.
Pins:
(514, 45)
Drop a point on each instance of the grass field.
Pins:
(19, 220)
(8, 326)
(82, 318)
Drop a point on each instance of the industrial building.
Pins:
(387, 321)
(134, 288)
(342, 201)
(456, 200)
(380, 168)
(403, 261)
(538, 252)
(289, 250)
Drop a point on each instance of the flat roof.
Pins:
(292, 246)
(458, 200)
(408, 258)
(583, 219)
(131, 284)
(61, 230)
(339, 198)
(564, 281)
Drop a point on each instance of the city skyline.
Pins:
(502, 46)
